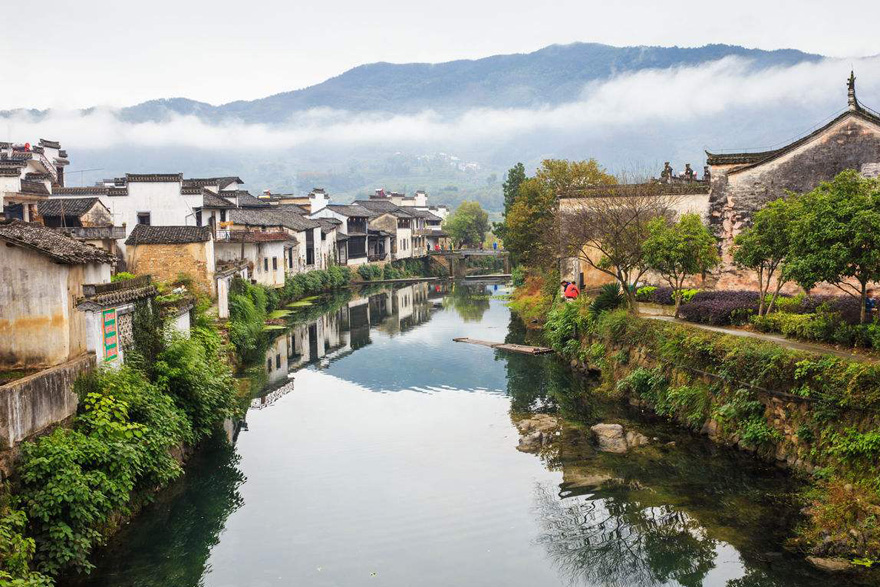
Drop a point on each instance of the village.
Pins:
(161, 279)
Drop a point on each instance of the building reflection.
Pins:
(343, 329)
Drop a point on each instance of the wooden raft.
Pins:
(514, 348)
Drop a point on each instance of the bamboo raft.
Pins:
(514, 348)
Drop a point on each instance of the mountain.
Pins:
(550, 76)
(368, 127)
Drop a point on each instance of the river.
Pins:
(379, 452)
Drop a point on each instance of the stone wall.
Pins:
(851, 143)
(166, 262)
(35, 404)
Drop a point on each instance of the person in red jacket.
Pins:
(571, 292)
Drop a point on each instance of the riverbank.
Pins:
(134, 428)
(381, 452)
(817, 415)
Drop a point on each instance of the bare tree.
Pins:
(606, 227)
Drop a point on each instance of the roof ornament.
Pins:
(852, 103)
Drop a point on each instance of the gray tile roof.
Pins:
(352, 210)
(271, 216)
(385, 207)
(34, 187)
(245, 199)
(154, 177)
(168, 235)
(55, 245)
(66, 206)
(209, 200)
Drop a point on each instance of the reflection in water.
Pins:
(351, 485)
(171, 543)
(470, 301)
(621, 543)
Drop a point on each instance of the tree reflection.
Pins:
(620, 543)
(173, 538)
(469, 301)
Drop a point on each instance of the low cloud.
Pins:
(680, 95)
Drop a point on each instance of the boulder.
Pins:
(832, 565)
(531, 442)
(636, 439)
(610, 437)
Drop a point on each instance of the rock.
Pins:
(848, 488)
(832, 565)
(636, 439)
(531, 442)
(610, 437)
(574, 363)
(710, 429)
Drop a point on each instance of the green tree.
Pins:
(529, 225)
(677, 250)
(836, 236)
(515, 176)
(468, 224)
(764, 247)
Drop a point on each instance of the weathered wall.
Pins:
(166, 262)
(99, 215)
(737, 195)
(36, 403)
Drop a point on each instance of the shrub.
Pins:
(647, 384)
(643, 294)
(517, 276)
(721, 307)
(565, 322)
(122, 276)
(192, 372)
(609, 298)
(16, 550)
(655, 295)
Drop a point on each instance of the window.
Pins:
(274, 263)
(198, 217)
(290, 259)
(278, 361)
(269, 364)
(266, 264)
(143, 218)
(222, 215)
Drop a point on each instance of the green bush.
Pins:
(688, 294)
(122, 276)
(16, 549)
(643, 294)
(647, 384)
(193, 372)
(518, 276)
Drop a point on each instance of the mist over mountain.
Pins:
(550, 76)
(455, 128)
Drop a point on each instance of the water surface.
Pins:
(381, 453)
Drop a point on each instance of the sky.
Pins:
(73, 54)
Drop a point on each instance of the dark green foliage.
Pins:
(148, 335)
(609, 298)
(16, 549)
(75, 483)
(193, 372)
(314, 282)
(248, 311)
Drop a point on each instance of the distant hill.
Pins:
(549, 76)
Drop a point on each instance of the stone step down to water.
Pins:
(514, 348)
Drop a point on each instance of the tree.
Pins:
(607, 229)
(515, 176)
(468, 224)
(677, 250)
(529, 225)
(764, 247)
(836, 236)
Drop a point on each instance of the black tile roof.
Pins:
(351, 210)
(50, 144)
(384, 207)
(245, 199)
(37, 188)
(209, 200)
(66, 206)
(220, 182)
(168, 235)
(84, 191)
(154, 177)
(271, 216)
(55, 245)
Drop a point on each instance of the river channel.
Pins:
(379, 452)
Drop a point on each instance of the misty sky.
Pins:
(110, 52)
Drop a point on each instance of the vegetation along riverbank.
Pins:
(134, 427)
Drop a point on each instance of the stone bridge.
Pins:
(456, 260)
